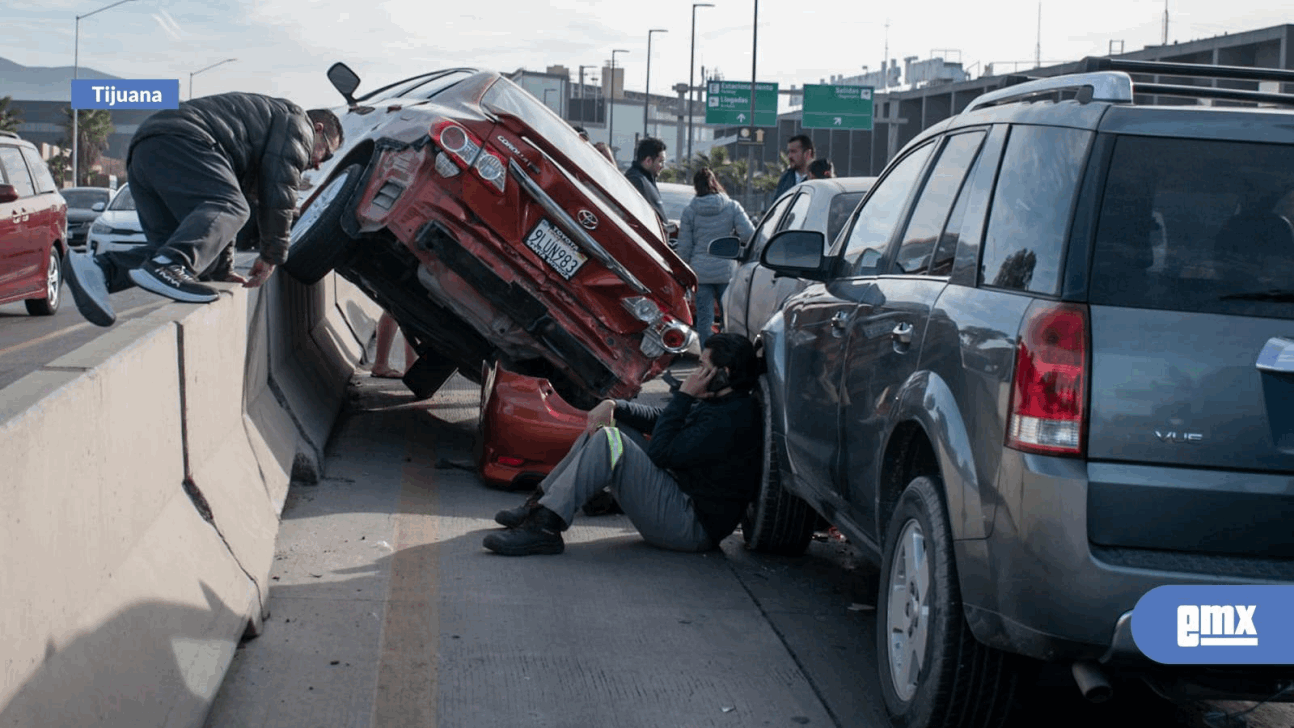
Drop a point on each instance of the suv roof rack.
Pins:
(13, 134)
(1108, 79)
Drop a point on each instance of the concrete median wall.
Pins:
(142, 477)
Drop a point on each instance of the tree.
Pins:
(94, 128)
(9, 118)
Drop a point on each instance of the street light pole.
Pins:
(611, 105)
(208, 68)
(691, 67)
(76, 64)
(750, 154)
(647, 90)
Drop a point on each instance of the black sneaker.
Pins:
(173, 280)
(540, 533)
(89, 286)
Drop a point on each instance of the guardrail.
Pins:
(142, 477)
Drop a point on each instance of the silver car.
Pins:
(754, 295)
(118, 227)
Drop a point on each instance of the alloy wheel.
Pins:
(909, 614)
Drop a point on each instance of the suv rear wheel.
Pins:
(48, 306)
(777, 522)
(318, 243)
(933, 672)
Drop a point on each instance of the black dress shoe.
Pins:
(514, 517)
(540, 533)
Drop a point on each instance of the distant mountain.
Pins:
(35, 83)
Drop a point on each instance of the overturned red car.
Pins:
(495, 236)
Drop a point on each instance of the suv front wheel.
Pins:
(933, 672)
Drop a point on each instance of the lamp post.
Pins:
(76, 64)
(647, 89)
(691, 66)
(611, 105)
(750, 153)
(208, 68)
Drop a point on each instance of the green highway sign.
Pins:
(837, 107)
(727, 103)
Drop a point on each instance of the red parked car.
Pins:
(494, 235)
(33, 228)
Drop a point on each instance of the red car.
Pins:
(493, 233)
(33, 228)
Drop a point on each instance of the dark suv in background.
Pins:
(1047, 367)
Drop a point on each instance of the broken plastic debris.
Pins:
(728, 710)
(385, 545)
(861, 608)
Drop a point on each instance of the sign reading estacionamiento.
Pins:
(837, 107)
(727, 103)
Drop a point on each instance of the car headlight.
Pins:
(100, 227)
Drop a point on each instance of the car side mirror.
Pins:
(98, 207)
(344, 80)
(796, 253)
(8, 193)
(729, 247)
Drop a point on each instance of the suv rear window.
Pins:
(1197, 225)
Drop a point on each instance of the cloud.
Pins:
(169, 26)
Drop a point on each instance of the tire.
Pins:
(48, 306)
(318, 243)
(945, 677)
(776, 522)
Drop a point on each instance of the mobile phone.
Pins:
(718, 382)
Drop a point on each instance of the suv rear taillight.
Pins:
(469, 152)
(1049, 394)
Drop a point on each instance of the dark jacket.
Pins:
(786, 182)
(268, 142)
(712, 447)
(646, 184)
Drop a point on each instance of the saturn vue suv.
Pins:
(1047, 367)
(494, 235)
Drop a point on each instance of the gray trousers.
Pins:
(189, 202)
(649, 495)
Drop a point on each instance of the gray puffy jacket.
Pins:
(705, 219)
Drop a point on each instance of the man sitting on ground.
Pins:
(684, 490)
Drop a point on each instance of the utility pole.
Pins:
(1165, 22)
(750, 150)
(1037, 49)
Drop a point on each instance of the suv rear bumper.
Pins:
(1037, 586)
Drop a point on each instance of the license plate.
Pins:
(556, 249)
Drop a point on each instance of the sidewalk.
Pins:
(386, 610)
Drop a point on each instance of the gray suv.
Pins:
(1048, 366)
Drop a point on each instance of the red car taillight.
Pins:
(469, 152)
(1049, 394)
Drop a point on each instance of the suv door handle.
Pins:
(838, 321)
(903, 333)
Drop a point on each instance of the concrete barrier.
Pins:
(143, 478)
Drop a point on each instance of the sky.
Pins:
(283, 47)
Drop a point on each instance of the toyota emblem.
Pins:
(588, 219)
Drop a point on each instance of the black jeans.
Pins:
(190, 206)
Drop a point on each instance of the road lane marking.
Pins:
(77, 327)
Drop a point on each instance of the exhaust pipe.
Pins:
(1092, 682)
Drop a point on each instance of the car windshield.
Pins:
(424, 86)
(506, 98)
(85, 199)
(123, 201)
(675, 199)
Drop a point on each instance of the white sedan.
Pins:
(118, 227)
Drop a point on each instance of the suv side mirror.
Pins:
(729, 247)
(344, 80)
(8, 193)
(97, 207)
(796, 253)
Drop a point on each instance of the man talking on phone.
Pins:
(685, 490)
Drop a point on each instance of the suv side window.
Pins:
(44, 180)
(1034, 201)
(794, 219)
(15, 171)
(766, 229)
(875, 222)
(936, 200)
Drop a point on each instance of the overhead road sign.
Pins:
(727, 103)
(837, 107)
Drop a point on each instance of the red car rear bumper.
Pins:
(526, 428)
